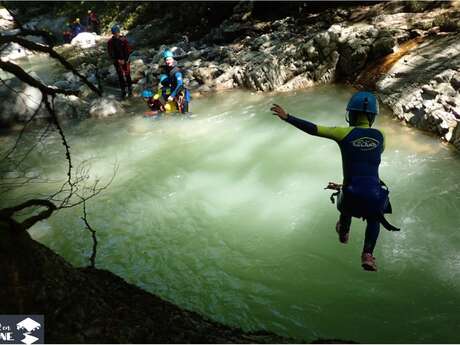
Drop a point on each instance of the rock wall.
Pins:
(423, 88)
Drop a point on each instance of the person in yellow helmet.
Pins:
(77, 27)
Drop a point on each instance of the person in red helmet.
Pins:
(92, 23)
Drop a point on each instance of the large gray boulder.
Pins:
(85, 40)
(19, 102)
(6, 21)
(105, 107)
(14, 51)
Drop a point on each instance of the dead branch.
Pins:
(26, 78)
(18, 139)
(6, 214)
(71, 189)
(48, 36)
(92, 259)
(54, 117)
(87, 192)
(55, 55)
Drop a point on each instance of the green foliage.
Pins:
(416, 5)
(193, 19)
(446, 23)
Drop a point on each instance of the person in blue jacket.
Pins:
(77, 28)
(180, 94)
(362, 194)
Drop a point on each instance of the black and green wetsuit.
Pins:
(362, 194)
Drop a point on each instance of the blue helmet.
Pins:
(147, 94)
(163, 77)
(364, 102)
(167, 54)
(115, 29)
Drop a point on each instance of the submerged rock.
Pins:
(105, 107)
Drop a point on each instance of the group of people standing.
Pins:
(171, 95)
(76, 27)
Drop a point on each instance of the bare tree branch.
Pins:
(6, 214)
(18, 139)
(26, 78)
(73, 188)
(50, 108)
(46, 49)
(24, 155)
(48, 36)
(92, 259)
(92, 191)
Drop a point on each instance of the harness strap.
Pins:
(338, 187)
(386, 224)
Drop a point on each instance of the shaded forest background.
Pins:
(193, 19)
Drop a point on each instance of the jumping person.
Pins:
(118, 49)
(363, 194)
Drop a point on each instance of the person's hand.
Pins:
(170, 99)
(121, 61)
(151, 113)
(279, 111)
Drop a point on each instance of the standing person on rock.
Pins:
(77, 28)
(179, 93)
(118, 49)
(362, 194)
(92, 23)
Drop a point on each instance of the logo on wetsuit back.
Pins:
(365, 143)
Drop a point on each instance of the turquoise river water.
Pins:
(223, 212)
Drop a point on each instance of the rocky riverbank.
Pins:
(420, 85)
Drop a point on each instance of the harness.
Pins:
(385, 208)
(182, 96)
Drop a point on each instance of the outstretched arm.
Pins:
(334, 133)
(303, 125)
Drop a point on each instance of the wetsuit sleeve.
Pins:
(303, 125)
(334, 133)
(180, 82)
